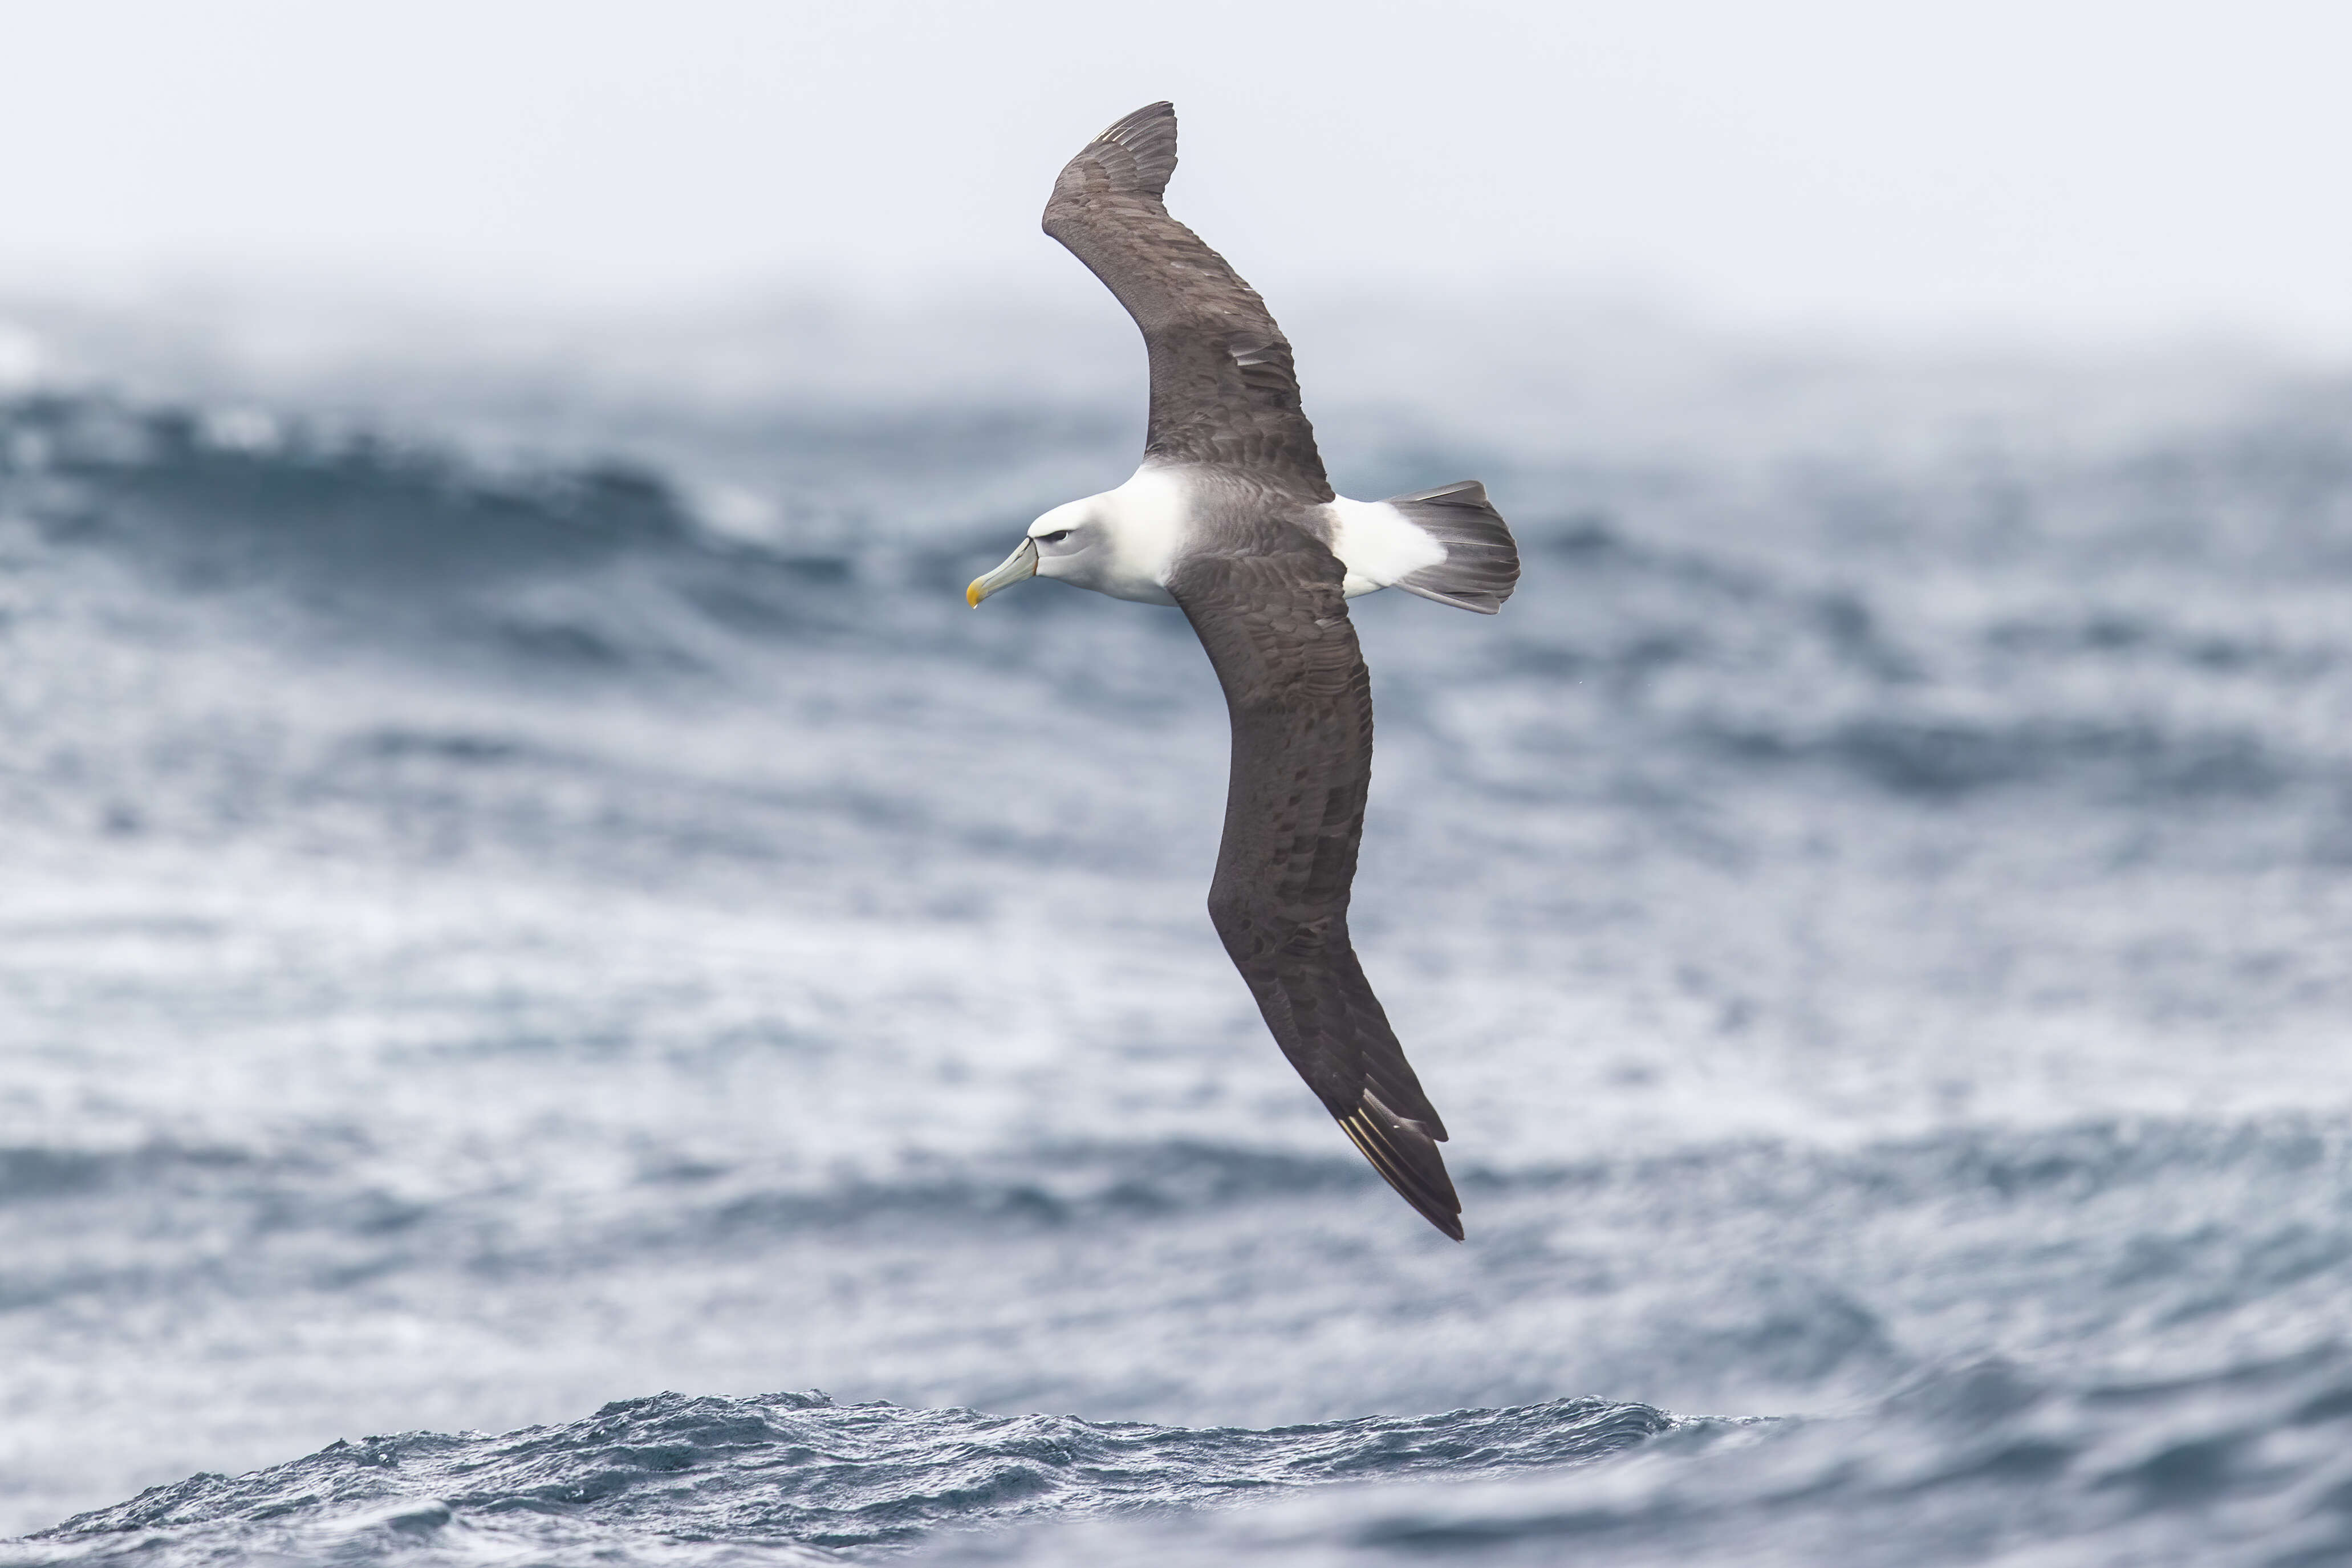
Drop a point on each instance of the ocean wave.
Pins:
(338, 536)
(2169, 1331)
(792, 1470)
(32, 1172)
(1975, 1464)
(333, 1206)
(1942, 756)
(2245, 1463)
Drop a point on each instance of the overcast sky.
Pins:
(2071, 166)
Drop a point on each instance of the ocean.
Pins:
(564, 1000)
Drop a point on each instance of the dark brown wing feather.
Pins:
(1223, 389)
(1276, 629)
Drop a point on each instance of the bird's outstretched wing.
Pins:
(1276, 629)
(1223, 389)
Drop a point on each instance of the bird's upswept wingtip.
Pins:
(1147, 138)
(1137, 124)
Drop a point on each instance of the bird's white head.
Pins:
(1057, 545)
(1121, 542)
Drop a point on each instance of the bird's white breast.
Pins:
(1377, 544)
(1150, 518)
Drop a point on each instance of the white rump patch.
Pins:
(1378, 544)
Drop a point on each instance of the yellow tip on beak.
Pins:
(1022, 563)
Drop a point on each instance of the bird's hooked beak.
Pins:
(1022, 563)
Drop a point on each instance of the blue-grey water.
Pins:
(516, 970)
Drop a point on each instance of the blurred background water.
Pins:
(537, 932)
(490, 934)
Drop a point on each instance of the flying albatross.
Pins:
(1231, 520)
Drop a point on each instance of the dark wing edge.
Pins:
(1276, 630)
(1224, 386)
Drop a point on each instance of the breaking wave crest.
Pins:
(653, 1477)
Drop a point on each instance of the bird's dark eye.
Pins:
(1055, 537)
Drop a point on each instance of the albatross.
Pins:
(1231, 520)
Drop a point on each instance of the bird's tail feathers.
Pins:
(1481, 561)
